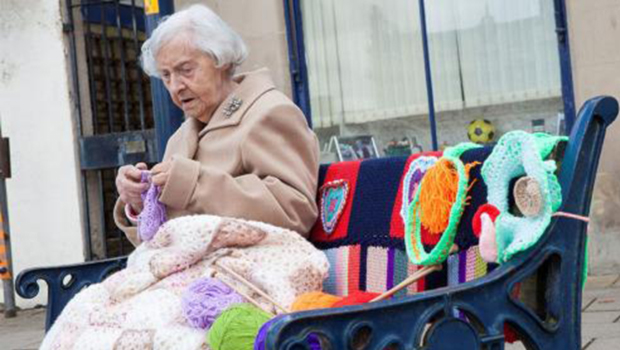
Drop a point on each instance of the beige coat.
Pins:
(259, 163)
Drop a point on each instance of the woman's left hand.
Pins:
(160, 173)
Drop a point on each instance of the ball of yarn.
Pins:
(314, 300)
(205, 299)
(312, 340)
(510, 335)
(261, 337)
(356, 298)
(236, 328)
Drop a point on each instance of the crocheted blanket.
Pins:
(140, 307)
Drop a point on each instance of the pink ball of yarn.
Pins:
(205, 299)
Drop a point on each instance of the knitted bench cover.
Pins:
(362, 228)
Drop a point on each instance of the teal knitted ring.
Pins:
(413, 236)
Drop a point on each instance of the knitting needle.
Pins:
(251, 286)
(247, 297)
(413, 278)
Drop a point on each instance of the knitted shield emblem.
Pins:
(333, 200)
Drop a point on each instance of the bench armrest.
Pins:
(64, 282)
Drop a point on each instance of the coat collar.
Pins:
(187, 144)
(251, 86)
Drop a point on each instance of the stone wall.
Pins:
(594, 29)
(262, 27)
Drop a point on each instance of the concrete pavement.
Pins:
(23, 332)
(601, 313)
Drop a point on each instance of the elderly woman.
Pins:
(244, 150)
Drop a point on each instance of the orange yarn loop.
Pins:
(438, 193)
(468, 168)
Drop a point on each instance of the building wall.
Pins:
(35, 110)
(594, 29)
(261, 24)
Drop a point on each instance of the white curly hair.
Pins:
(208, 33)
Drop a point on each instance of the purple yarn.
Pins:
(153, 214)
(205, 299)
(314, 342)
(415, 182)
(261, 337)
(260, 343)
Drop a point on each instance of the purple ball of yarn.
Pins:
(312, 340)
(205, 299)
(261, 337)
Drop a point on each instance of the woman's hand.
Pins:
(160, 173)
(129, 187)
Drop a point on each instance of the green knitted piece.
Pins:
(521, 154)
(456, 151)
(584, 272)
(413, 238)
(546, 143)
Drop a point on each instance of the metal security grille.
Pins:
(115, 117)
(120, 91)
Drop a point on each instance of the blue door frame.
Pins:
(297, 57)
(428, 76)
(566, 68)
(299, 72)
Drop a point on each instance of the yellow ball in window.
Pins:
(481, 131)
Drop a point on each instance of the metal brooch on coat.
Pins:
(232, 106)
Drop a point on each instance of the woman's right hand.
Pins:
(129, 186)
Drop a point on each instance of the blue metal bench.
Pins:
(468, 316)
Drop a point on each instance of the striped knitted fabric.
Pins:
(466, 266)
(384, 268)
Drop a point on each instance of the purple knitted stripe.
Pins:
(462, 266)
(389, 283)
(414, 183)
